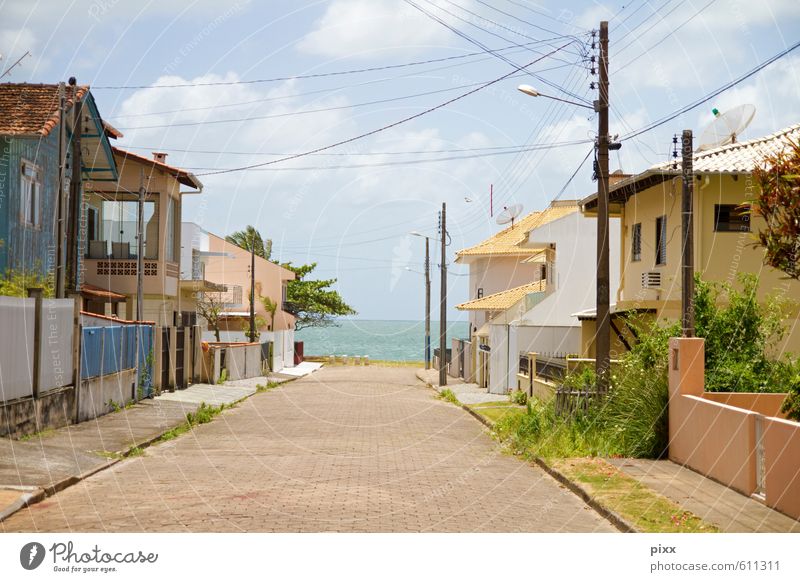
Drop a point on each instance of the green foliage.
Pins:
(313, 303)
(250, 238)
(15, 283)
(223, 376)
(259, 322)
(270, 307)
(778, 201)
(518, 397)
(271, 385)
(449, 396)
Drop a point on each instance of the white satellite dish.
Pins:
(726, 127)
(509, 213)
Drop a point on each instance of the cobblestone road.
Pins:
(345, 449)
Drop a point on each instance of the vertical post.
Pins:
(37, 294)
(427, 304)
(61, 205)
(602, 338)
(443, 305)
(139, 281)
(76, 355)
(687, 226)
(253, 288)
(75, 278)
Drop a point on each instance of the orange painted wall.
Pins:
(782, 459)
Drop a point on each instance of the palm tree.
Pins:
(250, 239)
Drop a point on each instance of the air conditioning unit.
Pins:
(651, 280)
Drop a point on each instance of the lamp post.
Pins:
(601, 106)
(427, 299)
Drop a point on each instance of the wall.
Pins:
(782, 461)
(25, 416)
(495, 274)
(763, 403)
(16, 347)
(96, 394)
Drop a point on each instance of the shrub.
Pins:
(518, 397)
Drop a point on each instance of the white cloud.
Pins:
(367, 28)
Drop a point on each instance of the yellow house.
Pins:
(649, 205)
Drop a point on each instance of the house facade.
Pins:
(33, 140)
(111, 223)
(649, 207)
(213, 268)
(538, 316)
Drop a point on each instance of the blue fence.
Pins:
(110, 349)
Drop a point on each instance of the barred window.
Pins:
(636, 242)
(661, 240)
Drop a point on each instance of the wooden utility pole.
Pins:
(74, 277)
(253, 287)
(602, 336)
(687, 226)
(427, 304)
(443, 304)
(61, 202)
(139, 279)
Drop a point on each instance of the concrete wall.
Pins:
(720, 440)
(766, 403)
(97, 394)
(23, 416)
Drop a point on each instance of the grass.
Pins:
(203, 415)
(496, 411)
(645, 509)
(133, 452)
(449, 396)
(268, 388)
(42, 434)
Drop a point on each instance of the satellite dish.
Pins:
(509, 213)
(726, 127)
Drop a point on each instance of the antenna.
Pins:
(18, 61)
(726, 127)
(509, 213)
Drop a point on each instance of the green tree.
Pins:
(313, 302)
(250, 238)
(778, 202)
(270, 306)
(209, 306)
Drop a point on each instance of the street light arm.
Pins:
(532, 92)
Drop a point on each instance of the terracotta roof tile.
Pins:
(504, 299)
(30, 109)
(507, 241)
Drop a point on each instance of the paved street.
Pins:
(345, 449)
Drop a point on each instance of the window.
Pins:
(172, 229)
(480, 292)
(731, 218)
(30, 194)
(661, 240)
(636, 242)
(118, 225)
(543, 272)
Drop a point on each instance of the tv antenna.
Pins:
(18, 61)
(509, 213)
(726, 127)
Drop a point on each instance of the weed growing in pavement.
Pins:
(270, 386)
(203, 415)
(223, 376)
(41, 434)
(449, 396)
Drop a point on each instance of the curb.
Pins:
(610, 515)
(38, 494)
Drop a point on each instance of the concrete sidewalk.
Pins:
(714, 503)
(466, 392)
(48, 462)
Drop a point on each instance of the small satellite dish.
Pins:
(509, 213)
(726, 127)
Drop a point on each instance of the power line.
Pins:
(711, 95)
(389, 126)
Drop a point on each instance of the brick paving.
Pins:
(363, 449)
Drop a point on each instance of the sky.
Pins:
(264, 80)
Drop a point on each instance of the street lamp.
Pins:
(427, 299)
(531, 91)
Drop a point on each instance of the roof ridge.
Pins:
(750, 142)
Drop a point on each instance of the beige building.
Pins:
(649, 205)
(110, 232)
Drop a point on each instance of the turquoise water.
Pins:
(380, 340)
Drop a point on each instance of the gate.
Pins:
(180, 359)
(165, 359)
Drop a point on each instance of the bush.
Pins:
(518, 397)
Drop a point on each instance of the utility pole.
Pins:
(253, 287)
(602, 336)
(139, 277)
(75, 279)
(443, 304)
(687, 226)
(427, 304)
(61, 209)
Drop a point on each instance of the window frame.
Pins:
(731, 208)
(30, 197)
(636, 242)
(661, 240)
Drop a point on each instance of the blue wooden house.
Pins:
(31, 145)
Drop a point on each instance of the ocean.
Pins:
(378, 339)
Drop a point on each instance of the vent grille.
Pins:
(651, 280)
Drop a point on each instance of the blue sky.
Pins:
(351, 208)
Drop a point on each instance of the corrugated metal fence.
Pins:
(110, 349)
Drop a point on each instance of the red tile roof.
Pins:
(30, 109)
(184, 177)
